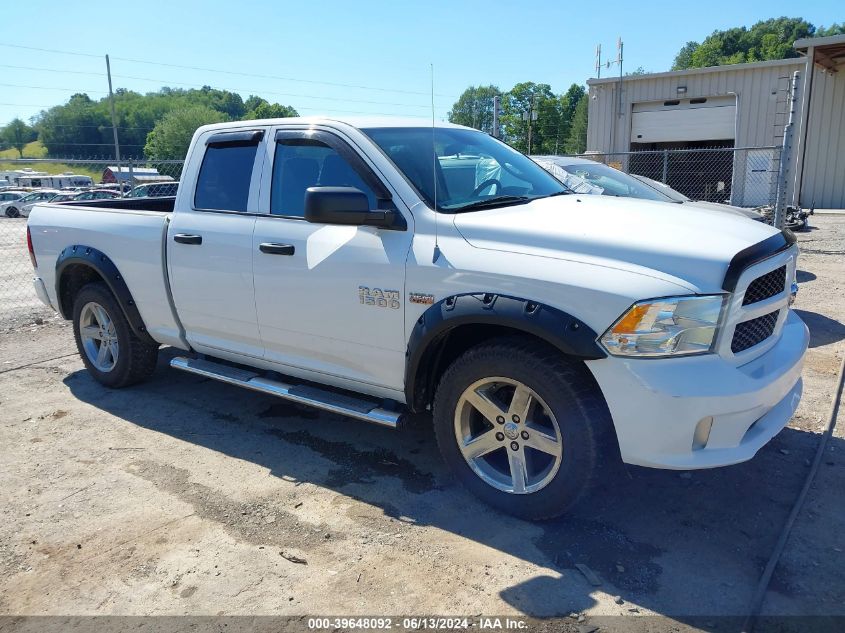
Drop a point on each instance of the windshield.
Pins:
(473, 169)
(613, 182)
(666, 190)
(31, 196)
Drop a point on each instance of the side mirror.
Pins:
(347, 206)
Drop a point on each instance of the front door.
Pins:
(329, 299)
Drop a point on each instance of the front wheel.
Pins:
(109, 348)
(519, 425)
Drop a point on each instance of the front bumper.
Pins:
(702, 411)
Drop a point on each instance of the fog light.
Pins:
(702, 433)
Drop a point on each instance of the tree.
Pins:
(518, 102)
(253, 102)
(767, 39)
(576, 143)
(833, 29)
(270, 111)
(684, 57)
(568, 105)
(171, 136)
(17, 134)
(474, 108)
(83, 127)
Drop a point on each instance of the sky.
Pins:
(353, 57)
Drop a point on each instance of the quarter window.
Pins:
(300, 163)
(225, 174)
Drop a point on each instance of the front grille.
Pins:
(765, 287)
(749, 333)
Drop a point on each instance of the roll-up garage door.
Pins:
(702, 119)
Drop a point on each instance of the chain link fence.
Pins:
(743, 177)
(26, 182)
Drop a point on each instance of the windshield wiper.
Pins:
(498, 201)
(564, 192)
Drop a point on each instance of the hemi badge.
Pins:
(422, 298)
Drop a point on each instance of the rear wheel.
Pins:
(12, 212)
(108, 346)
(519, 425)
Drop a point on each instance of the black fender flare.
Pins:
(567, 333)
(101, 264)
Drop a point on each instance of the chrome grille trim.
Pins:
(738, 311)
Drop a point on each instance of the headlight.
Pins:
(675, 326)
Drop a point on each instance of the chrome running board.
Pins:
(316, 397)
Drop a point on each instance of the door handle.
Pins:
(184, 238)
(276, 249)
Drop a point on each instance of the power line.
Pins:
(229, 72)
(79, 90)
(166, 82)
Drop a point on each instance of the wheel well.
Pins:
(74, 278)
(443, 351)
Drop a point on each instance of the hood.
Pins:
(726, 208)
(684, 244)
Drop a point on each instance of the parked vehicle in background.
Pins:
(154, 190)
(96, 194)
(677, 196)
(64, 196)
(317, 261)
(11, 195)
(21, 207)
(605, 180)
(118, 187)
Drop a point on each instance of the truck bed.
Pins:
(129, 231)
(162, 205)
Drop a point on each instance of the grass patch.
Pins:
(30, 150)
(37, 150)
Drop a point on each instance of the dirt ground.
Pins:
(185, 496)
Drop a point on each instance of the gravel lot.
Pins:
(183, 496)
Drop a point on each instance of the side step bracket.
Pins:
(325, 399)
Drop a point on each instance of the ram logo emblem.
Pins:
(378, 297)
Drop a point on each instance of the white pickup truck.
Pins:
(374, 267)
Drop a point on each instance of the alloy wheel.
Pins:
(508, 435)
(99, 337)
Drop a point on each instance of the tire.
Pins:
(135, 359)
(12, 212)
(567, 404)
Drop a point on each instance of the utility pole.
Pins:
(619, 60)
(497, 104)
(113, 122)
(598, 61)
(530, 115)
(608, 64)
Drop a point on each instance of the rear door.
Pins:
(329, 298)
(209, 244)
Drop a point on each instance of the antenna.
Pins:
(436, 254)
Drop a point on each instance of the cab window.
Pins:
(224, 177)
(300, 163)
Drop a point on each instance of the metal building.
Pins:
(742, 108)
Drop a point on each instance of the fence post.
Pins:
(785, 155)
(665, 166)
(131, 179)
